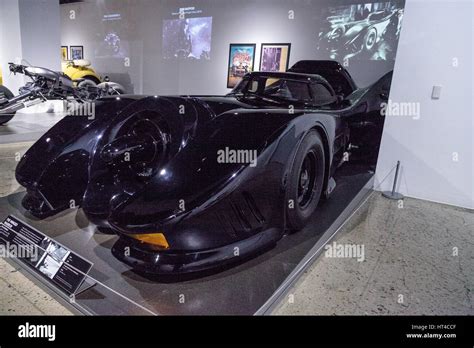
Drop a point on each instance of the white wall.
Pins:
(30, 30)
(435, 34)
(40, 33)
(10, 42)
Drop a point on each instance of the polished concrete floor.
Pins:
(9, 157)
(418, 259)
(28, 126)
(18, 294)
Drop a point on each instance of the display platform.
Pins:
(28, 126)
(245, 289)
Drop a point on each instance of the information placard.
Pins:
(52, 260)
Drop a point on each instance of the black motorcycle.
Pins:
(49, 85)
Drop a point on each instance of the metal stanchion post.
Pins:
(392, 194)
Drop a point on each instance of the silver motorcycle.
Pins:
(49, 85)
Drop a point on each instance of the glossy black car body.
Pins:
(210, 213)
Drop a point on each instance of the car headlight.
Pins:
(336, 33)
(156, 240)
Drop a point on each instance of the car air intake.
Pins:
(141, 145)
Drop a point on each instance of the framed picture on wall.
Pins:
(77, 52)
(241, 62)
(64, 53)
(275, 57)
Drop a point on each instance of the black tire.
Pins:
(4, 118)
(88, 81)
(370, 39)
(306, 181)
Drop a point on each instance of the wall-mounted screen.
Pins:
(111, 39)
(367, 31)
(188, 38)
(112, 46)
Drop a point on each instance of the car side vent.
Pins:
(253, 207)
(226, 224)
(239, 213)
(246, 214)
(240, 217)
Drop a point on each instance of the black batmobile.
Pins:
(190, 183)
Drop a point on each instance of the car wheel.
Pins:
(5, 94)
(89, 81)
(370, 39)
(306, 181)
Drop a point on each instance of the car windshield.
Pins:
(274, 88)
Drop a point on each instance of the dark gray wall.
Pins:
(234, 21)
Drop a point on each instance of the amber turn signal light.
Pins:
(156, 239)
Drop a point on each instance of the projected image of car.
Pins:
(360, 31)
(221, 181)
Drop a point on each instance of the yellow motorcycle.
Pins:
(81, 71)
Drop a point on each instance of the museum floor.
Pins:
(29, 126)
(18, 294)
(408, 252)
(419, 259)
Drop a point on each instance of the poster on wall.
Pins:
(64, 53)
(77, 52)
(241, 62)
(365, 31)
(188, 38)
(275, 57)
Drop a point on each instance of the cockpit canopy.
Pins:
(286, 88)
